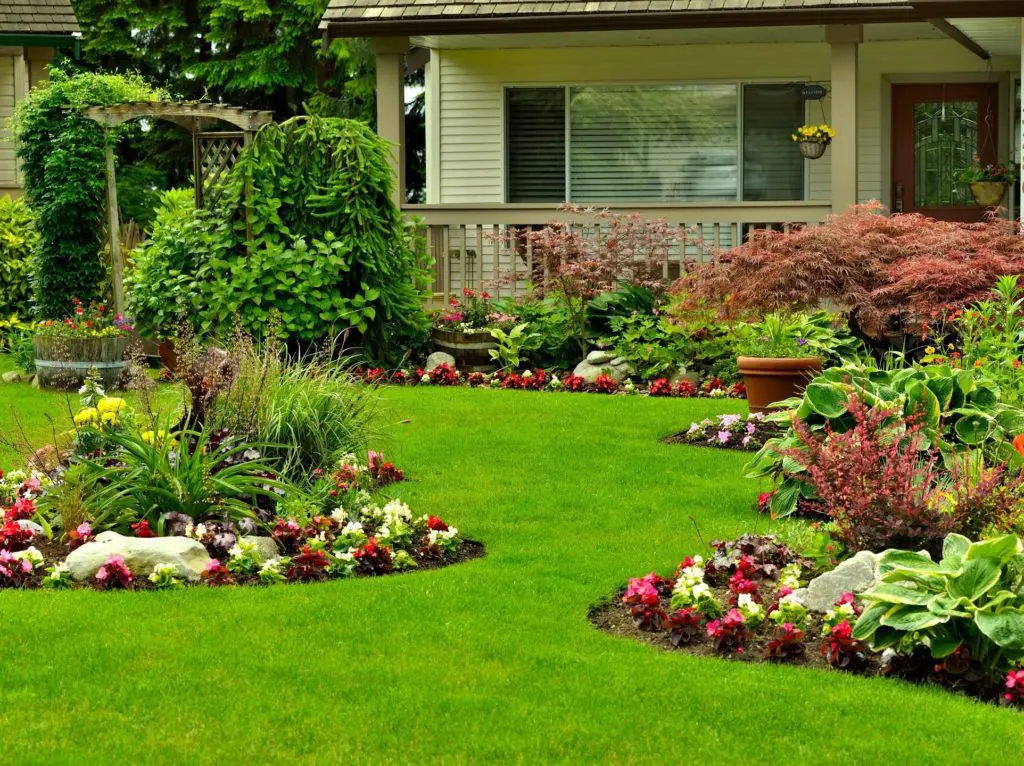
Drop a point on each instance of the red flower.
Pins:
(436, 523)
(1018, 443)
(660, 387)
(142, 529)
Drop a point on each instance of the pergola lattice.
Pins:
(214, 153)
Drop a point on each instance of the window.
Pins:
(653, 143)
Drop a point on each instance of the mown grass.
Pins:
(493, 660)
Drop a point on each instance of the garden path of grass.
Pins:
(493, 660)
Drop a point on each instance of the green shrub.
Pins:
(18, 241)
(971, 599)
(62, 156)
(330, 251)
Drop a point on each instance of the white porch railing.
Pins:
(474, 244)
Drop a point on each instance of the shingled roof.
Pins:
(380, 11)
(37, 17)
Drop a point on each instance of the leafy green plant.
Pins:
(992, 335)
(510, 345)
(18, 242)
(971, 600)
(330, 251)
(653, 345)
(798, 335)
(187, 473)
(553, 346)
(16, 342)
(624, 301)
(62, 159)
(957, 411)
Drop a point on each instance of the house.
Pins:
(30, 33)
(684, 109)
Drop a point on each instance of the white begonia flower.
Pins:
(527, 375)
(425, 378)
(32, 556)
(699, 590)
(190, 530)
(846, 610)
(339, 515)
(352, 526)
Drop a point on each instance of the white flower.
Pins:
(59, 570)
(527, 375)
(396, 510)
(241, 548)
(425, 378)
(271, 567)
(32, 556)
(699, 590)
(339, 515)
(167, 570)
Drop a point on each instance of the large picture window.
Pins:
(653, 143)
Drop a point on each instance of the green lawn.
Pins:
(489, 661)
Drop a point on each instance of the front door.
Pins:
(938, 130)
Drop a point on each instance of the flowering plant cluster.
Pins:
(351, 474)
(818, 134)
(731, 431)
(472, 312)
(993, 172)
(93, 321)
(541, 380)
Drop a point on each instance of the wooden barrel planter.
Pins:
(470, 349)
(772, 380)
(64, 363)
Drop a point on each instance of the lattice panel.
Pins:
(216, 154)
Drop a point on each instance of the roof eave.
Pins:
(589, 22)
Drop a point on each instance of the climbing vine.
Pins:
(61, 151)
(330, 251)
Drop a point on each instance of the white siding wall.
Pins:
(470, 107)
(8, 174)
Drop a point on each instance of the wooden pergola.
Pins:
(214, 153)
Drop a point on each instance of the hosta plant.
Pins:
(971, 598)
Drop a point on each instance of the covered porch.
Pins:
(955, 67)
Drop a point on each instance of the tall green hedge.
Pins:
(61, 151)
(18, 241)
(330, 250)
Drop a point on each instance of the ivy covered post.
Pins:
(114, 224)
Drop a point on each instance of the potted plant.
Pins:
(988, 183)
(92, 338)
(777, 358)
(813, 140)
(462, 330)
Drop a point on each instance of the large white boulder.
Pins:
(437, 359)
(854, 575)
(140, 554)
(598, 362)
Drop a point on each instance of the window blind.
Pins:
(773, 169)
(535, 144)
(654, 143)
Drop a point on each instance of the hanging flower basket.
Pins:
(812, 150)
(989, 193)
(813, 140)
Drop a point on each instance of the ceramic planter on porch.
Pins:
(64, 363)
(470, 349)
(988, 193)
(772, 380)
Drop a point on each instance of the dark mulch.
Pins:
(54, 552)
(613, 617)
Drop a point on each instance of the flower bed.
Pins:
(542, 380)
(745, 603)
(737, 432)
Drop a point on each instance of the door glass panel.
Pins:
(945, 142)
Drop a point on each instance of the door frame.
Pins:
(1004, 108)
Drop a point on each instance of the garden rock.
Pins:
(28, 524)
(437, 359)
(140, 554)
(589, 370)
(11, 377)
(266, 547)
(854, 575)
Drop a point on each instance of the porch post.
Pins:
(390, 53)
(844, 40)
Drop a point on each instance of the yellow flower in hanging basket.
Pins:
(818, 134)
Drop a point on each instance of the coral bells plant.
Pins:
(114, 574)
(683, 626)
(729, 633)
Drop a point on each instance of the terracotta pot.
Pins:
(772, 380)
(470, 349)
(812, 150)
(988, 193)
(168, 355)
(64, 363)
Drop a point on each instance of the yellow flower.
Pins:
(929, 349)
(88, 415)
(109, 417)
(111, 404)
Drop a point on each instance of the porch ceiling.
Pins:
(739, 35)
(1000, 37)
